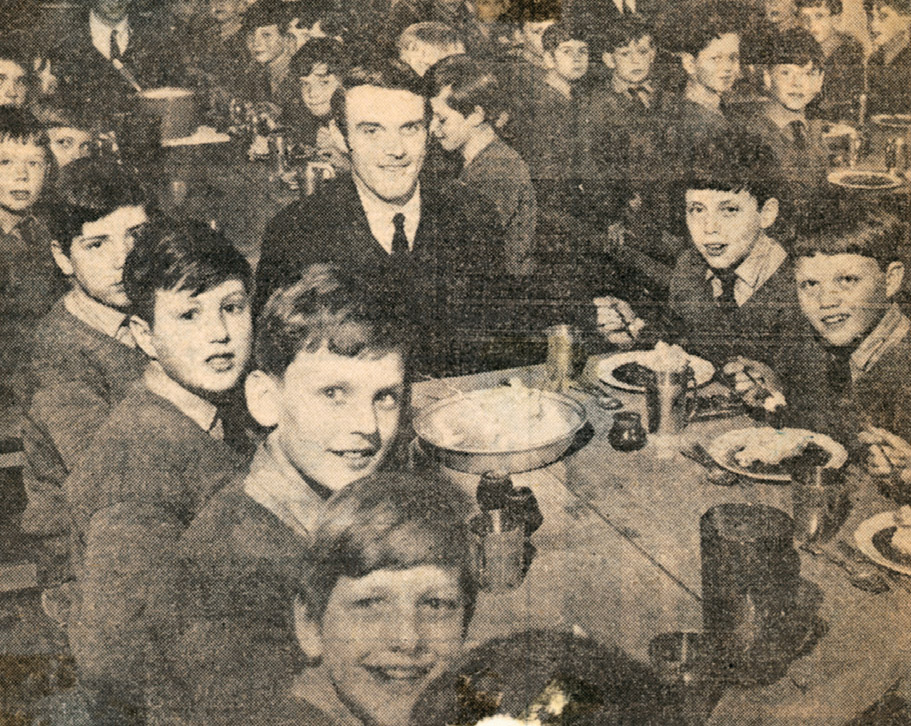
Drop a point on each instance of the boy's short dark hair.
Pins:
(186, 255)
(627, 29)
(734, 161)
(89, 189)
(437, 35)
(539, 12)
(21, 125)
(835, 6)
(325, 307)
(473, 84)
(317, 51)
(902, 7)
(560, 33)
(264, 13)
(854, 229)
(52, 117)
(794, 46)
(391, 74)
(692, 26)
(395, 521)
(11, 50)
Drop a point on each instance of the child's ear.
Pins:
(477, 117)
(307, 630)
(688, 61)
(142, 334)
(62, 259)
(338, 138)
(608, 60)
(263, 398)
(769, 213)
(549, 62)
(767, 80)
(895, 276)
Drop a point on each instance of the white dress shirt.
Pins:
(763, 261)
(101, 35)
(380, 213)
(625, 6)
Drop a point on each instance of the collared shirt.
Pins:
(101, 34)
(275, 484)
(380, 213)
(762, 262)
(99, 316)
(623, 88)
(201, 412)
(890, 331)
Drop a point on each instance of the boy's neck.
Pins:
(480, 140)
(559, 83)
(782, 116)
(9, 220)
(699, 94)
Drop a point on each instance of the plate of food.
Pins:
(509, 428)
(631, 370)
(758, 453)
(886, 539)
(893, 120)
(867, 180)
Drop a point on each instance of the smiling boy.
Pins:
(162, 452)
(318, 66)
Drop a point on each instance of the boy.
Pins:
(266, 79)
(781, 13)
(466, 103)
(319, 66)
(843, 65)
(14, 80)
(730, 293)
(422, 45)
(83, 357)
(29, 281)
(853, 372)
(889, 66)
(69, 137)
(162, 452)
(329, 384)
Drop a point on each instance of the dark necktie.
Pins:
(115, 46)
(726, 300)
(799, 131)
(838, 369)
(640, 95)
(399, 238)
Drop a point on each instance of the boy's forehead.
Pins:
(822, 263)
(720, 196)
(644, 42)
(184, 292)
(377, 369)
(318, 70)
(417, 578)
(21, 147)
(572, 44)
(9, 67)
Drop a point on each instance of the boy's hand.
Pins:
(755, 383)
(617, 321)
(889, 454)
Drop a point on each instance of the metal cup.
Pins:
(819, 502)
(669, 400)
(560, 340)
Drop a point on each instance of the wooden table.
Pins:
(619, 558)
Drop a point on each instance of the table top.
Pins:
(619, 559)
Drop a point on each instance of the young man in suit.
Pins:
(436, 252)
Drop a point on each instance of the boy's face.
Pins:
(387, 138)
(818, 21)
(632, 63)
(718, 64)
(725, 226)
(570, 59)
(224, 11)
(317, 89)
(845, 295)
(23, 168)
(266, 43)
(886, 23)
(531, 36)
(451, 128)
(13, 85)
(780, 12)
(69, 144)
(202, 341)
(97, 255)
(794, 86)
(489, 10)
(337, 416)
(387, 635)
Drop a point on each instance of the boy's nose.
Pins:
(363, 419)
(405, 633)
(829, 296)
(22, 171)
(217, 328)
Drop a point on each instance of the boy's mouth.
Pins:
(356, 458)
(21, 195)
(834, 321)
(715, 250)
(399, 673)
(221, 362)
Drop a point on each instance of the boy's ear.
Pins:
(263, 398)
(477, 117)
(62, 259)
(767, 80)
(769, 213)
(338, 138)
(608, 60)
(307, 630)
(895, 276)
(688, 61)
(548, 58)
(142, 334)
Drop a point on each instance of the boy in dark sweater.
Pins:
(329, 383)
(162, 452)
(889, 66)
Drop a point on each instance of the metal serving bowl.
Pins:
(478, 460)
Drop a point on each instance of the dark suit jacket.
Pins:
(447, 288)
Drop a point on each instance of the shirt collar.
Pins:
(380, 213)
(315, 687)
(758, 266)
(202, 412)
(100, 29)
(276, 485)
(622, 87)
(96, 315)
(893, 327)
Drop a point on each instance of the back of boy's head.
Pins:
(316, 52)
(734, 161)
(560, 33)
(395, 521)
(438, 36)
(264, 13)
(89, 189)
(21, 126)
(473, 84)
(835, 6)
(327, 307)
(902, 7)
(793, 47)
(853, 229)
(625, 30)
(691, 27)
(179, 255)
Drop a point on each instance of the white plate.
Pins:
(702, 369)
(202, 135)
(842, 178)
(864, 539)
(892, 120)
(836, 131)
(722, 448)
